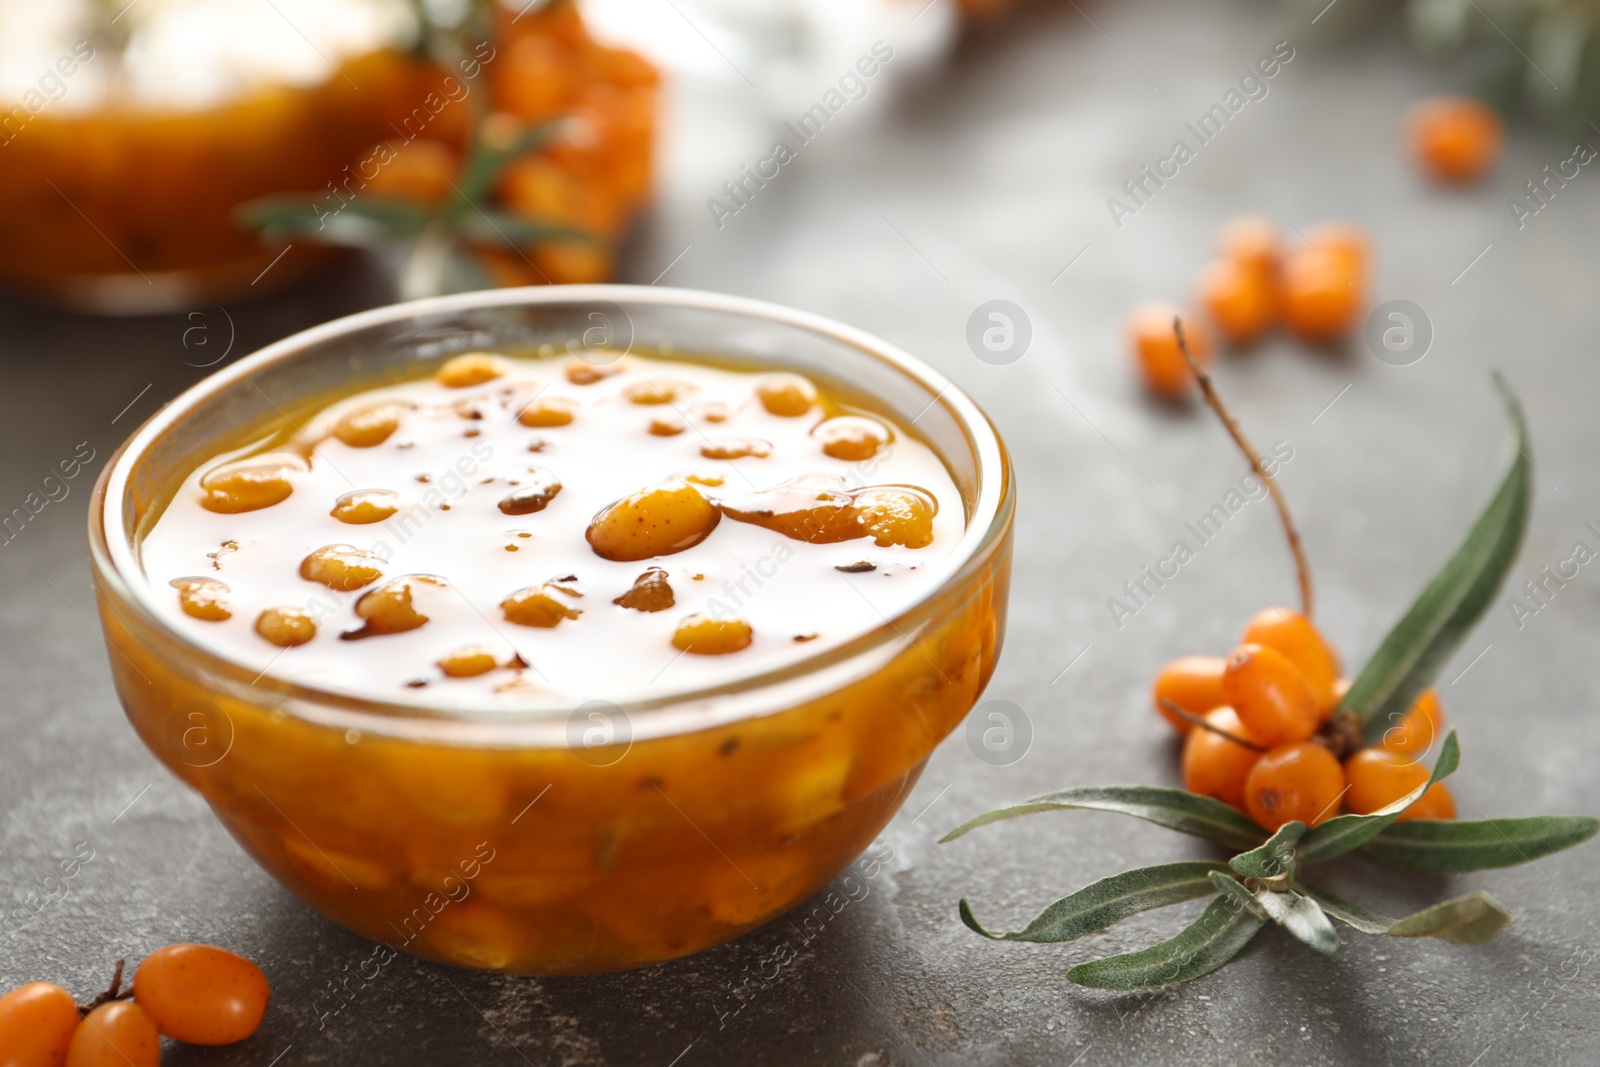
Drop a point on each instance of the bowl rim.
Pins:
(114, 557)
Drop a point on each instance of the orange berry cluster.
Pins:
(192, 993)
(1317, 289)
(594, 179)
(1454, 139)
(1276, 693)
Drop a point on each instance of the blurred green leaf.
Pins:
(1453, 847)
(1353, 915)
(1216, 937)
(1229, 886)
(358, 221)
(1468, 920)
(1272, 858)
(1172, 808)
(1097, 906)
(1414, 651)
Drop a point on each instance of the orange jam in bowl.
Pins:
(556, 630)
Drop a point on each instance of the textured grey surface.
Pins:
(983, 184)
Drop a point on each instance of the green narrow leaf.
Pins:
(1272, 858)
(1453, 847)
(1230, 886)
(366, 218)
(1300, 915)
(1415, 650)
(1097, 906)
(1172, 808)
(1353, 915)
(496, 227)
(486, 161)
(1468, 920)
(1342, 833)
(1210, 941)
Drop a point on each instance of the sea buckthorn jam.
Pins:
(511, 529)
(564, 663)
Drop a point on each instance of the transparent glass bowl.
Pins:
(578, 836)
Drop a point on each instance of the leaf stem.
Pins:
(1232, 426)
(1195, 720)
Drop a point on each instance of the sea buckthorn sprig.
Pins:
(196, 994)
(1276, 744)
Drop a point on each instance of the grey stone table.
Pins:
(989, 182)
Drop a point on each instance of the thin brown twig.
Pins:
(1232, 426)
(1195, 720)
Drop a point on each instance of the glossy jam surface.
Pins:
(515, 529)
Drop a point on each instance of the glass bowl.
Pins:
(572, 836)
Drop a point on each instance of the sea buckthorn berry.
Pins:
(286, 626)
(252, 483)
(667, 426)
(541, 487)
(1346, 245)
(1321, 300)
(1242, 302)
(366, 506)
(200, 994)
(852, 437)
(736, 448)
(1298, 638)
(474, 368)
(708, 635)
(468, 662)
(370, 426)
(1270, 694)
(1253, 242)
(538, 605)
(1419, 729)
(391, 608)
(788, 395)
(1193, 683)
(1155, 348)
(548, 411)
(658, 391)
(581, 372)
(651, 592)
(341, 567)
(1378, 778)
(202, 598)
(117, 1034)
(895, 515)
(1301, 781)
(1215, 766)
(417, 172)
(715, 411)
(37, 1022)
(1454, 138)
(656, 521)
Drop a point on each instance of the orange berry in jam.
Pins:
(1242, 302)
(1294, 782)
(37, 1022)
(1378, 778)
(1298, 638)
(1454, 138)
(1270, 694)
(116, 1034)
(1420, 728)
(1155, 348)
(1194, 683)
(200, 994)
(1214, 766)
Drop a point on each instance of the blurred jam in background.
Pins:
(162, 153)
